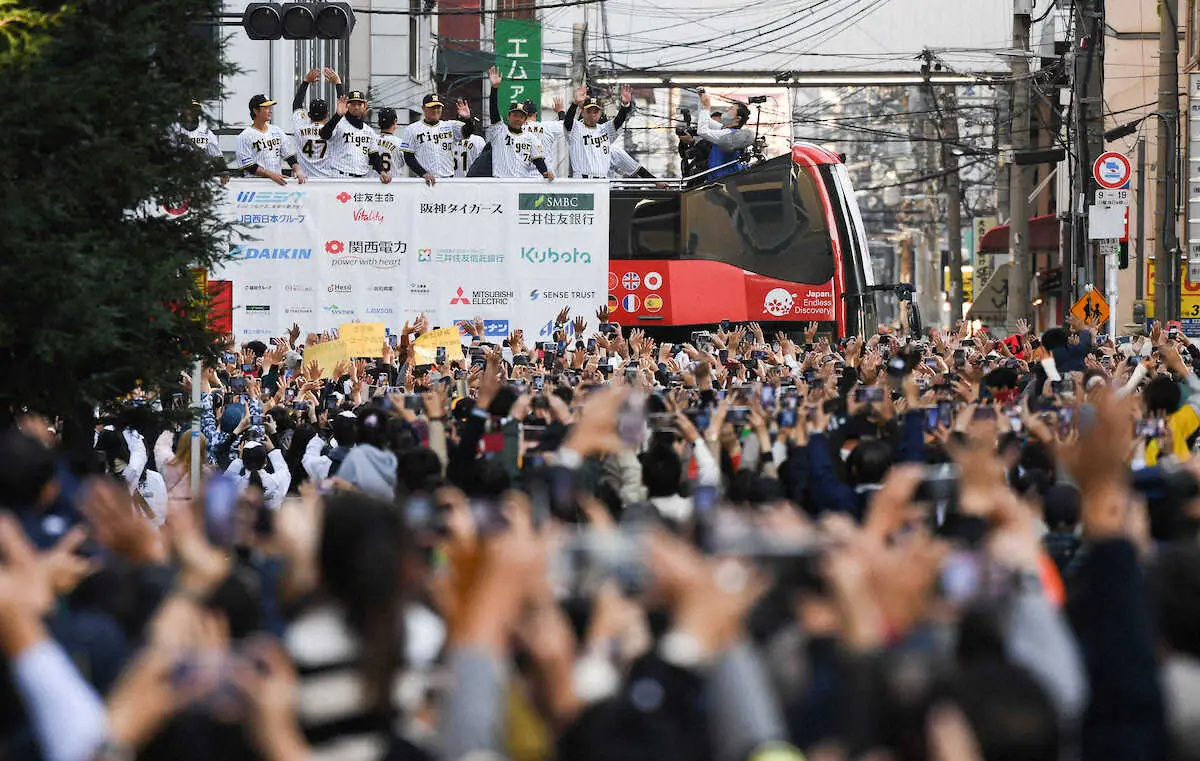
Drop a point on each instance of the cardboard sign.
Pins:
(427, 345)
(364, 339)
(327, 355)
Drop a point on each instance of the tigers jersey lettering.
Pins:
(433, 145)
(313, 151)
(589, 148)
(389, 149)
(265, 149)
(513, 155)
(465, 153)
(351, 146)
(202, 138)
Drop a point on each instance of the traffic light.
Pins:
(298, 21)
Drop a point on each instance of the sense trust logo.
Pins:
(533, 295)
(334, 247)
(460, 298)
(344, 197)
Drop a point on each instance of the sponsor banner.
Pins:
(328, 253)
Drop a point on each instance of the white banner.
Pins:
(328, 252)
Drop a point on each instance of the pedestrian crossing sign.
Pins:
(1091, 307)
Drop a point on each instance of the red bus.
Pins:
(779, 243)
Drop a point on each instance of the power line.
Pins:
(475, 11)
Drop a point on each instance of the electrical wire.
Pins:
(473, 11)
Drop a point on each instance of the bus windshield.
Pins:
(769, 220)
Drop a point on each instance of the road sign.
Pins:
(1118, 197)
(1111, 170)
(1090, 307)
(1108, 247)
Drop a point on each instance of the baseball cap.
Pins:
(357, 95)
(318, 107)
(517, 106)
(196, 103)
(258, 101)
(591, 103)
(431, 100)
(530, 108)
(387, 117)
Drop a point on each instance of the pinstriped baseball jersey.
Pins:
(202, 137)
(433, 145)
(513, 155)
(551, 135)
(350, 147)
(589, 148)
(312, 152)
(265, 149)
(465, 153)
(622, 164)
(389, 149)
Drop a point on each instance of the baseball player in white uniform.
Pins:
(515, 152)
(354, 145)
(388, 145)
(196, 132)
(313, 150)
(465, 153)
(428, 145)
(551, 133)
(588, 141)
(263, 148)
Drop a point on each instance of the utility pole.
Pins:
(953, 199)
(1140, 265)
(1019, 273)
(578, 55)
(1088, 101)
(1166, 270)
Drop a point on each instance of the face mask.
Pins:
(727, 120)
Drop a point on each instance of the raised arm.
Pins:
(494, 98)
(302, 89)
(331, 125)
(626, 107)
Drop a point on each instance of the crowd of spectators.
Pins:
(605, 546)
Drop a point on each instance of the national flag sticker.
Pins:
(654, 302)
(631, 281)
(631, 302)
(653, 282)
(613, 281)
(612, 303)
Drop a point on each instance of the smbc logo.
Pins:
(556, 202)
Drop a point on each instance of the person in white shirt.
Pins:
(515, 153)
(191, 129)
(313, 150)
(251, 470)
(428, 145)
(388, 146)
(550, 133)
(588, 140)
(353, 142)
(465, 152)
(263, 148)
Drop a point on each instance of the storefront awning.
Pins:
(1043, 236)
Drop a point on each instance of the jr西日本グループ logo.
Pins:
(556, 202)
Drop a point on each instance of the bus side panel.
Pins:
(701, 292)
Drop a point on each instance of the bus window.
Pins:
(769, 220)
(644, 225)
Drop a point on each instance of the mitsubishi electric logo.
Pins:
(459, 298)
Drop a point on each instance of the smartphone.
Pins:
(768, 396)
(539, 383)
(631, 374)
(945, 414)
(591, 346)
(787, 418)
(229, 358)
(725, 325)
(520, 360)
(256, 419)
(1066, 420)
(290, 394)
(247, 368)
(220, 501)
(1150, 429)
(440, 355)
(723, 355)
(738, 415)
(869, 394)
(414, 402)
(984, 413)
(932, 363)
(1124, 340)
(631, 420)
(930, 419)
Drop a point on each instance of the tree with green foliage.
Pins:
(94, 278)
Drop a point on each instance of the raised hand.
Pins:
(494, 76)
(580, 327)
(312, 76)
(343, 105)
(1022, 325)
(558, 104)
(580, 95)
(626, 95)
(464, 109)
(332, 76)
(563, 316)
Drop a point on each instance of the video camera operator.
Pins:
(727, 135)
(693, 151)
